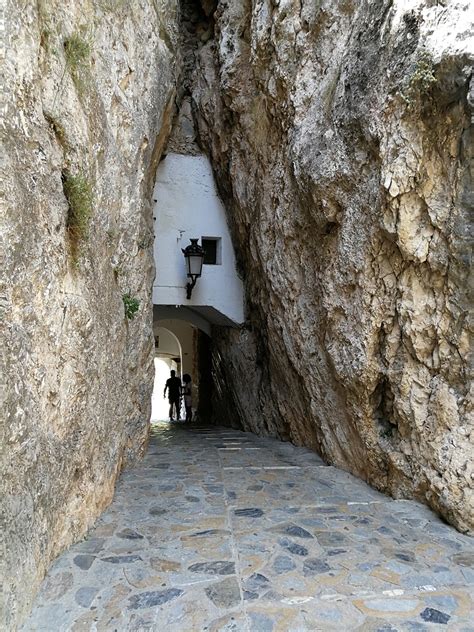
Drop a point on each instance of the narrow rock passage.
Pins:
(218, 529)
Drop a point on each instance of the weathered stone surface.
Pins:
(464, 559)
(157, 511)
(293, 547)
(224, 594)
(213, 568)
(57, 585)
(251, 512)
(88, 89)
(283, 564)
(315, 566)
(129, 534)
(256, 582)
(153, 598)
(85, 596)
(296, 532)
(122, 559)
(435, 616)
(84, 562)
(340, 139)
(164, 566)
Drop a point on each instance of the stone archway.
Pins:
(168, 356)
(193, 335)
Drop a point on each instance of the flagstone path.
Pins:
(219, 530)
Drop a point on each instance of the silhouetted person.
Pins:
(173, 384)
(188, 396)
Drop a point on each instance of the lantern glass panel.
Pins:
(195, 265)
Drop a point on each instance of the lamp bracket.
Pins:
(189, 287)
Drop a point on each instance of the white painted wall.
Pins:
(187, 205)
(184, 332)
(170, 345)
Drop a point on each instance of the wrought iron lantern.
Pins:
(194, 256)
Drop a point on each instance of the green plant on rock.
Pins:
(417, 86)
(78, 192)
(77, 51)
(131, 305)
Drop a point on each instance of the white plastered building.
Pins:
(187, 206)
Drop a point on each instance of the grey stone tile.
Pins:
(85, 595)
(224, 594)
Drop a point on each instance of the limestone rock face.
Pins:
(339, 134)
(89, 88)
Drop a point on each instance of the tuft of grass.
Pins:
(78, 192)
(131, 305)
(417, 86)
(77, 51)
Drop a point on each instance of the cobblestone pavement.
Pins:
(218, 529)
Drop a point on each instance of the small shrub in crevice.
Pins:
(131, 306)
(77, 52)
(78, 192)
(417, 86)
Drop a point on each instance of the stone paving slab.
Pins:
(220, 530)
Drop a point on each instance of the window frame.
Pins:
(218, 241)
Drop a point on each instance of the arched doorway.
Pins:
(168, 356)
(182, 345)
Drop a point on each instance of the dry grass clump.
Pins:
(77, 51)
(78, 192)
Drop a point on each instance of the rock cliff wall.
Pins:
(88, 104)
(340, 137)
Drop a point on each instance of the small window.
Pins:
(212, 250)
